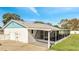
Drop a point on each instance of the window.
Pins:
(32, 31)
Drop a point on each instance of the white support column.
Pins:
(48, 39)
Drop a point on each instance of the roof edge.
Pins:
(9, 23)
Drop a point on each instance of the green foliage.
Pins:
(8, 16)
(72, 24)
(39, 22)
(69, 44)
(43, 23)
(63, 20)
(56, 26)
(49, 24)
(0, 27)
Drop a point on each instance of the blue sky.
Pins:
(46, 14)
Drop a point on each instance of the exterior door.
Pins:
(12, 36)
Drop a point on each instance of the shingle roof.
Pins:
(36, 26)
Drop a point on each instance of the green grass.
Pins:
(69, 44)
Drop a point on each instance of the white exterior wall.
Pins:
(18, 34)
(31, 36)
(74, 32)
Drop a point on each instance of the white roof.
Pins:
(35, 26)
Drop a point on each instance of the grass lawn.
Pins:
(69, 44)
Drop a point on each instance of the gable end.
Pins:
(14, 25)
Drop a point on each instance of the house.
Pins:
(30, 32)
(74, 32)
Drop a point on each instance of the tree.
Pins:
(72, 24)
(63, 23)
(49, 24)
(63, 20)
(56, 26)
(39, 22)
(43, 23)
(0, 27)
(8, 16)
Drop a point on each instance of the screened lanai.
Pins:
(54, 34)
(50, 36)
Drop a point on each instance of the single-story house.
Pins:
(30, 32)
(74, 32)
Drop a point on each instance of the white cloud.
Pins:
(34, 10)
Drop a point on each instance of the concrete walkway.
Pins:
(8, 45)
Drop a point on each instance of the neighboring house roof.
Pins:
(35, 26)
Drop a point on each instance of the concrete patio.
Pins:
(8, 45)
